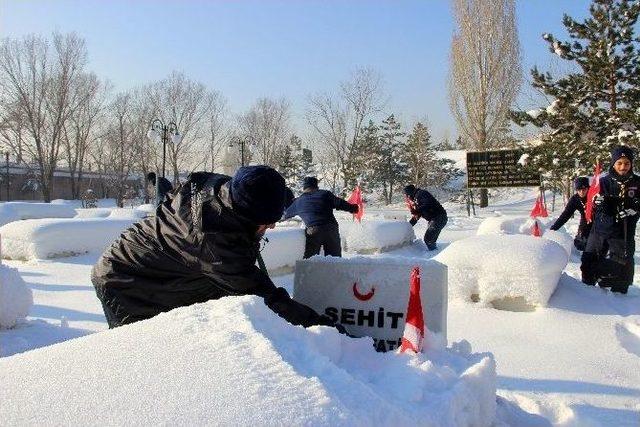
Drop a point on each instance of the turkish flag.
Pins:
(593, 191)
(535, 231)
(539, 209)
(356, 199)
(413, 336)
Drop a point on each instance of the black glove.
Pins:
(354, 209)
(413, 221)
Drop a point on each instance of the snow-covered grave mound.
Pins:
(284, 248)
(511, 271)
(524, 225)
(16, 298)
(93, 212)
(59, 237)
(15, 211)
(132, 213)
(375, 236)
(234, 362)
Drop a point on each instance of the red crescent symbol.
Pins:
(363, 297)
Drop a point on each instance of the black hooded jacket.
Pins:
(575, 203)
(426, 205)
(196, 248)
(620, 193)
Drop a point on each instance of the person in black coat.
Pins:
(202, 244)
(577, 202)
(164, 186)
(315, 207)
(608, 257)
(424, 205)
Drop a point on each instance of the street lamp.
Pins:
(159, 132)
(244, 143)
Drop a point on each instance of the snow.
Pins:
(534, 114)
(572, 362)
(284, 248)
(375, 236)
(516, 267)
(234, 362)
(14, 211)
(16, 298)
(60, 237)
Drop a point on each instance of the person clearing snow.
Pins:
(201, 245)
(424, 205)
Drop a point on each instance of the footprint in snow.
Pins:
(628, 334)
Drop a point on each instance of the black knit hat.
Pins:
(581, 183)
(309, 182)
(621, 151)
(258, 193)
(410, 190)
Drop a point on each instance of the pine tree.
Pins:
(289, 162)
(390, 167)
(357, 166)
(419, 155)
(596, 107)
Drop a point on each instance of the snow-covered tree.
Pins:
(595, 107)
(390, 167)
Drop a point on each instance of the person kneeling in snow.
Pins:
(315, 207)
(577, 202)
(424, 205)
(202, 244)
(616, 217)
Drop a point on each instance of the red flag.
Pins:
(593, 191)
(539, 209)
(356, 199)
(535, 231)
(413, 336)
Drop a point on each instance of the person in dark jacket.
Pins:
(608, 257)
(202, 244)
(424, 205)
(315, 207)
(577, 202)
(164, 186)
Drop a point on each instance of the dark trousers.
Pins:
(436, 225)
(609, 262)
(325, 236)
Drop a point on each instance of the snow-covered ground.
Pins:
(573, 362)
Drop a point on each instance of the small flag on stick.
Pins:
(413, 336)
(356, 199)
(594, 190)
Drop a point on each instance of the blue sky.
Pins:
(284, 48)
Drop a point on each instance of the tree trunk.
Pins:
(484, 197)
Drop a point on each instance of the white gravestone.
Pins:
(369, 296)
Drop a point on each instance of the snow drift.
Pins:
(284, 248)
(15, 211)
(16, 298)
(510, 271)
(53, 238)
(375, 236)
(234, 362)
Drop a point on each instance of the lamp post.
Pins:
(6, 161)
(159, 132)
(243, 146)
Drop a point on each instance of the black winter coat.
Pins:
(575, 203)
(316, 207)
(195, 249)
(620, 193)
(426, 205)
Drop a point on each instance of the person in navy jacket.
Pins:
(608, 257)
(315, 207)
(577, 202)
(424, 205)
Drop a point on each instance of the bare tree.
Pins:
(337, 120)
(266, 124)
(36, 81)
(188, 104)
(80, 129)
(485, 74)
(219, 131)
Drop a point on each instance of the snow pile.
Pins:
(503, 269)
(15, 297)
(133, 214)
(15, 211)
(375, 236)
(92, 212)
(234, 362)
(524, 225)
(284, 248)
(52, 238)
